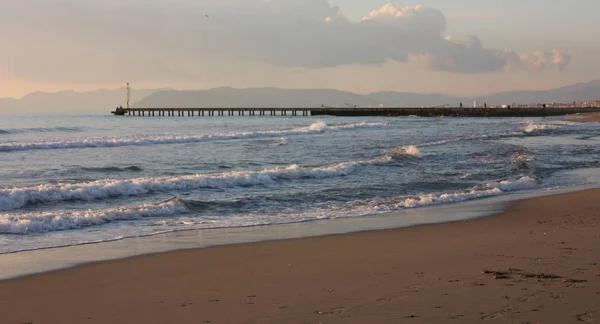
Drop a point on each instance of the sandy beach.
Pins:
(587, 118)
(539, 262)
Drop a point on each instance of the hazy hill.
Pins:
(408, 99)
(275, 97)
(70, 101)
(253, 97)
(577, 92)
(104, 100)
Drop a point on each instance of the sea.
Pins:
(69, 180)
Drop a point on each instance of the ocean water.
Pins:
(71, 180)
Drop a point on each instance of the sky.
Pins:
(460, 47)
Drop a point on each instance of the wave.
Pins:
(530, 127)
(406, 151)
(487, 190)
(315, 128)
(281, 141)
(35, 222)
(471, 137)
(132, 168)
(526, 128)
(42, 130)
(44, 222)
(19, 197)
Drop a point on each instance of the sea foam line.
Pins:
(32, 223)
(487, 190)
(19, 197)
(315, 128)
(44, 222)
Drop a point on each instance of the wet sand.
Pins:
(587, 118)
(537, 262)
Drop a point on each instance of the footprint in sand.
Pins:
(584, 317)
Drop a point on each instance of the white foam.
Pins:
(490, 189)
(32, 223)
(18, 197)
(42, 222)
(141, 140)
(281, 141)
(533, 127)
(410, 150)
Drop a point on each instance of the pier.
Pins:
(356, 112)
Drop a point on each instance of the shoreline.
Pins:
(20, 264)
(427, 274)
(586, 118)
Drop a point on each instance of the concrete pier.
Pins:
(350, 111)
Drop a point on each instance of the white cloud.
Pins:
(109, 40)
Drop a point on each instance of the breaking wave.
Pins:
(42, 222)
(15, 198)
(33, 223)
(281, 141)
(315, 128)
(534, 127)
(406, 151)
(487, 190)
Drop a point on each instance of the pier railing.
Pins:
(351, 111)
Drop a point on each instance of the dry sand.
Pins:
(545, 251)
(587, 118)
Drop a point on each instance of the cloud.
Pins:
(108, 40)
(539, 60)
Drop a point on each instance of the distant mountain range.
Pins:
(226, 97)
(70, 101)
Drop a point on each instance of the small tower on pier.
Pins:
(128, 94)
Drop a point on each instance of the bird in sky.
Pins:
(207, 16)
